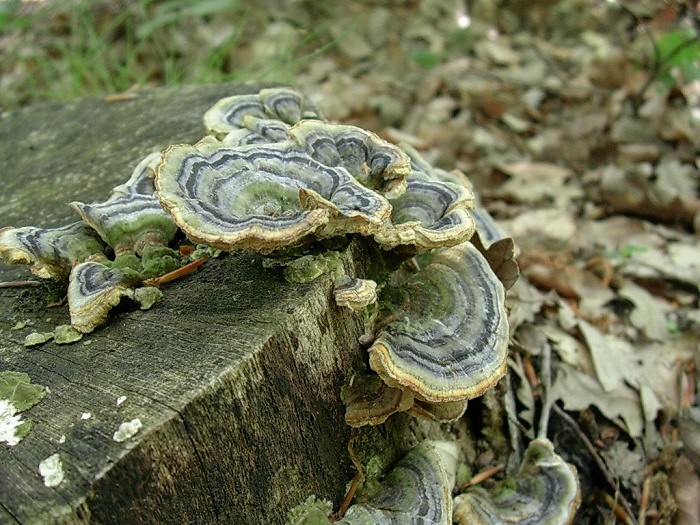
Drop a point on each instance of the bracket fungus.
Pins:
(545, 491)
(441, 412)
(417, 490)
(262, 197)
(50, 253)
(370, 401)
(131, 218)
(355, 293)
(430, 214)
(93, 290)
(376, 163)
(283, 104)
(448, 342)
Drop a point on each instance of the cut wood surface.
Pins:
(235, 374)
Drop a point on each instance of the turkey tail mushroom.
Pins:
(545, 491)
(448, 341)
(52, 252)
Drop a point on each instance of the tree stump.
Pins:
(235, 373)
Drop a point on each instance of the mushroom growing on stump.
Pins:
(545, 491)
(283, 104)
(417, 490)
(131, 218)
(356, 294)
(448, 341)
(430, 214)
(50, 253)
(262, 197)
(94, 289)
(370, 401)
(376, 163)
(442, 412)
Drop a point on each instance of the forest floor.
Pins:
(578, 124)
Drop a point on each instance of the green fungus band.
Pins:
(52, 252)
(418, 490)
(450, 341)
(132, 217)
(262, 196)
(430, 214)
(373, 161)
(93, 290)
(545, 491)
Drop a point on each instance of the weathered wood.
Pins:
(235, 374)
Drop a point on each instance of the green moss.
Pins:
(311, 511)
(126, 261)
(147, 296)
(155, 267)
(310, 267)
(66, 334)
(17, 388)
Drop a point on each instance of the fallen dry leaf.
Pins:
(686, 491)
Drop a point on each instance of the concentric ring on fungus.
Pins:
(262, 196)
(284, 104)
(430, 214)
(450, 340)
(131, 218)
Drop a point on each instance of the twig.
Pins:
(609, 477)
(18, 284)
(546, 378)
(514, 430)
(646, 488)
(619, 512)
(482, 476)
(60, 302)
(354, 484)
(176, 274)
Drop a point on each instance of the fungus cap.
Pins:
(262, 196)
(441, 412)
(284, 104)
(545, 491)
(374, 162)
(354, 293)
(417, 490)
(131, 218)
(93, 290)
(430, 214)
(369, 401)
(50, 253)
(449, 341)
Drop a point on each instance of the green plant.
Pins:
(74, 49)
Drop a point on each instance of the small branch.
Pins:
(514, 429)
(546, 378)
(354, 484)
(18, 284)
(609, 477)
(176, 274)
(481, 476)
(643, 504)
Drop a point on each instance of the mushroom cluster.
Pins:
(275, 177)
